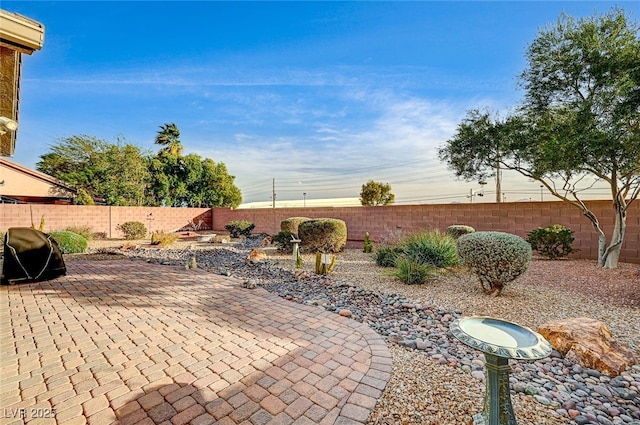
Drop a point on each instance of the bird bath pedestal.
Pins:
(296, 248)
(500, 341)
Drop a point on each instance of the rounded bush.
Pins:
(457, 230)
(497, 258)
(432, 248)
(69, 242)
(552, 242)
(132, 230)
(323, 235)
(291, 224)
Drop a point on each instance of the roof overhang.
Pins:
(20, 33)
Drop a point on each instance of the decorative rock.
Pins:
(602, 390)
(590, 343)
(345, 313)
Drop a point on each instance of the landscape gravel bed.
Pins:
(436, 379)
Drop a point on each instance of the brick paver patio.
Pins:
(134, 343)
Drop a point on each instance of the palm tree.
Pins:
(169, 136)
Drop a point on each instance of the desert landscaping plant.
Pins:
(132, 230)
(69, 242)
(322, 266)
(432, 248)
(282, 240)
(386, 255)
(368, 245)
(291, 224)
(323, 235)
(552, 242)
(496, 258)
(457, 230)
(237, 228)
(163, 239)
(411, 272)
(84, 231)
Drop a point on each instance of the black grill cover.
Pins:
(30, 256)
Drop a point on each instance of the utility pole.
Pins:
(273, 193)
(498, 183)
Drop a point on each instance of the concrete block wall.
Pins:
(100, 218)
(512, 217)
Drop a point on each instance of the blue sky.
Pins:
(320, 96)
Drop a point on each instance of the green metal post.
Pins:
(497, 400)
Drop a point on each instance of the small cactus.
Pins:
(298, 258)
(322, 267)
(368, 245)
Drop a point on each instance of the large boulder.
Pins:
(588, 342)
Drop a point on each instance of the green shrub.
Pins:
(432, 248)
(411, 272)
(552, 242)
(323, 235)
(291, 224)
(132, 230)
(69, 242)
(496, 258)
(163, 239)
(84, 231)
(387, 255)
(457, 230)
(237, 228)
(283, 241)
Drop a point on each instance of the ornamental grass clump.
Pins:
(496, 258)
(552, 242)
(412, 272)
(387, 255)
(323, 235)
(431, 248)
(163, 239)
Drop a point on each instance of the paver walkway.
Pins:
(134, 343)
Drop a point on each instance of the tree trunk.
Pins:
(612, 253)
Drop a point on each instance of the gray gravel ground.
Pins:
(436, 379)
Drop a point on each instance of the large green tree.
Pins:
(122, 175)
(579, 121)
(375, 193)
(189, 180)
(117, 171)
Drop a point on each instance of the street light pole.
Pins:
(541, 193)
(304, 199)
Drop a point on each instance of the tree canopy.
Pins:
(375, 193)
(123, 175)
(579, 121)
